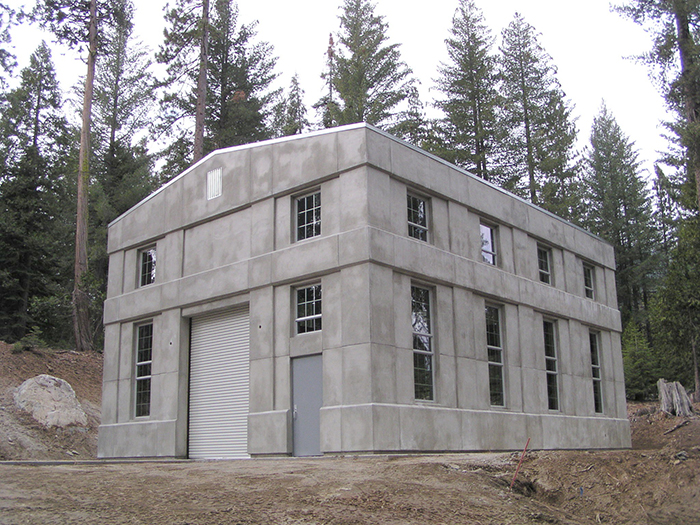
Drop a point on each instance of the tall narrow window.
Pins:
(147, 265)
(422, 343)
(550, 357)
(308, 318)
(595, 372)
(495, 355)
(214, 183)
(589, 281)
(544, 262)
(488, 243)
(143, 361)
(308, 216)
(417, 217)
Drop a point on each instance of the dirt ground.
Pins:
(657, 482)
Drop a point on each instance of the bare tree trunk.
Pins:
(696, 371)
(202, 85)
(674, 399)
(81, 300)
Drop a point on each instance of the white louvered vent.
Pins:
(219, 382)
(214, 183)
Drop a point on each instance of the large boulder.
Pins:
(51, 401)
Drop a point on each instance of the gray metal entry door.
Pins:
(307, 399)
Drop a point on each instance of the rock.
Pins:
(51, 401)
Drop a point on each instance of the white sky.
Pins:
(587, 42)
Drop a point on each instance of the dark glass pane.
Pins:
(549, 342)
(423, 376)
(496, 385)
(552, 392)
(422, 343)
(495, 355)
(143, 370)
(493, 333)
(551, 365)
(597, 397)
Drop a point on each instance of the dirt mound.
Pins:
(21, 436)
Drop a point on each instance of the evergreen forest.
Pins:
(139, 117)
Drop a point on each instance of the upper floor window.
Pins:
(142, 373)
(494, 348)
(595, 372)
(589, 280)
(423, 350)
(544, 263)
(308, 316)
(214, 183)
(147, 266)
(417, 217)
(551, 365)
(488, 243)
(308, 213)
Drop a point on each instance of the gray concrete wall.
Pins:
(240, 247)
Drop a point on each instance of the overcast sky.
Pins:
(587, 43)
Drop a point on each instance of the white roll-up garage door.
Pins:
(219, 379)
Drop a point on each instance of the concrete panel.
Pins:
(124, 401)
(260, 271)
(354, 211)
(109, 407)
(309, 343)
(283, 297)
(353, 147)
(381, 305)
(332, 204)
(460, 228)
(260, 161)
(332, 310)
(164, 399)
(357, 374)
(261, 378)
(378, 151)
(379, 194)
(218, 243)
(282, 385)
(468, 379)
(138, 439)
(356, 428)
(412, 166)
(112, 350)
(262, 322)
(462, 308)
(262, 227)
(285, 221)
(355, 304)
(402, 311)
(381, 247)
(333, 377)
(422, 259)
(384, 377)
(386, 426)
(440, 230)
(354, 246)
(331, 428)
(305, 258)
(115, 278)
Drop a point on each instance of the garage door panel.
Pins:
(219, 385)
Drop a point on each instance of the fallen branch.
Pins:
(679, 425)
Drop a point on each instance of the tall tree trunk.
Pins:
(81, 300)
(691, 94)
(696, 370)
(202, 85)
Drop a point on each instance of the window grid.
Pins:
(588, 281)
(417, 218)
(596, 373)
(488, 243)
(214, 183)
(495, 356)
(550, 355)
(308, 317)
(147, 274)
(422, 344)
(143, 365)
(544, 256)
(308, 216)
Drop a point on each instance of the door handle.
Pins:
(294, 413)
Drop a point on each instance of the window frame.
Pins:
(497, 389)
(309, 322)
(422, 336)
(551, 364)
(589, 288)
(147, 268)
(493, 253)
(143, 369)
(596, 371)
(418, 230)
(315, 224)
(545, 275)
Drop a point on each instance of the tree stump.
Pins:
(674, 399)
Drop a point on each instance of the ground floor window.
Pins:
(143, 364)
(423, 351)
(550, 356)
(494, 347)
(595, 371)
(308, 315)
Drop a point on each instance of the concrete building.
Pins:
(345, 292)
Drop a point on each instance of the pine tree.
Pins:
(7, 59)
(290, 111)
(619, 211)
(241, 71)
(36, 138)
(539, 134)
(469, 85)
(78, 23)
(367, 75)
(184, 53)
